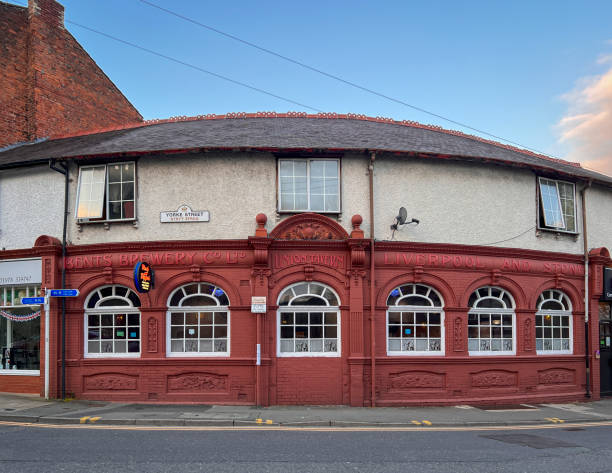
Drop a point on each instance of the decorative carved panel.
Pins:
(494, 379)
(556, 376)
(528, 335)
(458, 334)
(198, 382)
(309, 226)
(416, 380)
(110, 382)
(152, 335)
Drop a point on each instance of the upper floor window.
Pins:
(112, 322)
(309, 185)
(553, 323)
(491, 322)
(308, 321)
(198, 321)
(557, 205)
(107, 192)
(415, 321)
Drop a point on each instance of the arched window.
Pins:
(112, 322)
(553, 323)
(415, 321)
(491, 322)
(198, 321)
(308, 321)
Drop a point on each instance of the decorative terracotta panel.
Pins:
(110, 382)
(416, 380)
(309, 226)
(198, 382)
(556, 376)
(494, 379)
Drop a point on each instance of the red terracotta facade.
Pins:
(50, 85)
(310, 247)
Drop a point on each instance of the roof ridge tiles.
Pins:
(320, 115)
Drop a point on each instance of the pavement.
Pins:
(28, 408)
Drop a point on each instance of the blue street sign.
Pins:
(63, 292)
(32, 300)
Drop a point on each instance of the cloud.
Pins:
(586, 127)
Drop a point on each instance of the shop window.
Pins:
(198, 321)
(19, 330)
(308, 321)
(415, 321)
(309, 185)
(557, 209)
(553, 323)
(112, 323)
(106, 192)
(491, 322)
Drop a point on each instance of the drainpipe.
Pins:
(586, 291)
(372, 281)
(63, 170)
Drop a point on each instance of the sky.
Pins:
(535, 73)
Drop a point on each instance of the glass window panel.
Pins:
(507, 345)
(287, 332)
(421, 345)
(395, 317)
(435, 331)
(434, 319)
(121, 347)
(408, 317)
(421, 318)
(316, 318)
(330, 345)
(128, 209)
(473, 345)
(133, 332)
(496, 332)
(331, 168)
(317, 202)
(191, 318)
(220, 331)
(93, 320)
(127, 191)
(565, 332)
(133, 319)
(301, 202)
(301, 346)
(177, 319)
(114, 192)
(551, 206)
(301, 332)
(316, 345)
(191, 331)
(565, 345)
(435, 344)
(177, 346)
(395, 345)
(331, 332)
(421, 332)
(220, 345)
(301, 318)
(286, 318)
(496, 345)
(317, 169)
(317, 187)
(106, 347)
(395, 331)
(485, 332)
(93, 334)
(331, 203)
(331, 318)
(114, 173)
(206, 345)
(206, 331)
(221, 318)
(120, 320)
(286, 346)
(539, 344)
(473, 332)
(120, 333)
(107, 333)
(407, 331)
(507, 332)
(316, 331)
(191, 345)
(177, 332)
(206, 318)
(93, 347)
(507, 319)
(114, 210)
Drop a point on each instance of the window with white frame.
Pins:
(309, 185)
(308, 320)
(112, 322)
(415, 321)
(557, 205)
(19, 330)
(491, 322)
(198, 321)
(553, 323)
(107, 192)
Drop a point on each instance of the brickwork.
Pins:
(51, 86)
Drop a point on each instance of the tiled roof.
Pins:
(291, 131)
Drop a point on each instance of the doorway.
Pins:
(605, 348)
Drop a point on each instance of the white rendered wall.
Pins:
(464, 203)
(31, 204)
(599, 217)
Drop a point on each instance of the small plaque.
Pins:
(184, 214)
(258, 305)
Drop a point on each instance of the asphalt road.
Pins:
(26, 449)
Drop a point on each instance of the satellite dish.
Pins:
(402, 216)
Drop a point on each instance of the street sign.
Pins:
(63, 292)
(32, 300)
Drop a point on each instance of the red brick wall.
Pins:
(53, 87)
(13, 66)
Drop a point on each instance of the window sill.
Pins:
(4, 372)
(553, 352)
(94, 356)
(309, 355)
(558, 233)
(492, 353)
(198, 355)
(292, 212)
(415, 353)
(106, 223)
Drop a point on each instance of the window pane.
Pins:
(114, 173)
(114, 210)
(331, 203)
(114, 192)
(91, 192)
(551, 206)
(127, 191)
(317, 202)
(317, 169)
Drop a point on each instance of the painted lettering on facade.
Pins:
(168, 258)
(479, 262)
(284, 260)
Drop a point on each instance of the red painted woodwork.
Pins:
(265, 265)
